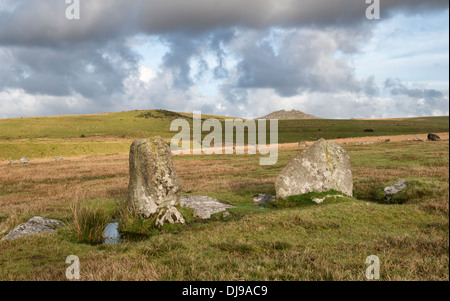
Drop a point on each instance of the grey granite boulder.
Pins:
(204, 206)
(59, 159)
(154, 187)
(321, 167)
(34, 226)
(302, 144)
(12, 162)
(262, 199)
(390, 191)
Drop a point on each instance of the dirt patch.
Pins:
(371, 139)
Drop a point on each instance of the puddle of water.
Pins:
(111, 234)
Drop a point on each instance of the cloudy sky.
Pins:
(228, 57)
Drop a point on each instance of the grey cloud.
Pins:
(396, 87)
(304, 62)
(43, 22)
(44, 54)
(90, 69)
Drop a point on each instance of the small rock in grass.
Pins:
(34, 226)
(24, 160)
(263, 199)
(390, 191)
(320, 201)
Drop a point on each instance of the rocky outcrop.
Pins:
(154, 188)
(322, 167)
(288, 115)
(204, 206)
(34, 226)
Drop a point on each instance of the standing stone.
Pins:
(154, 186)
(390, 191)
(433, 137)
(321, 167)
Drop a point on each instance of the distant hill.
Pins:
(288, 115)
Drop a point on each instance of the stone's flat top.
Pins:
(204, 206)
(34, 226)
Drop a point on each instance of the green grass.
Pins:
(88, 224)
(289, 240)
(41, 149)
(47, 136)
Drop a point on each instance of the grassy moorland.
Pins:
(112, 133)
(329, 241)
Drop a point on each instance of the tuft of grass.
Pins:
(132, 224)
(88, 224)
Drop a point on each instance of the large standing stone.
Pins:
(321, 167)
(154, 187)
(34, 226)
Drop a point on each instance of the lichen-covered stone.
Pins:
(34, 226)
(204, 206)
(154, 186)
(322, 167)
